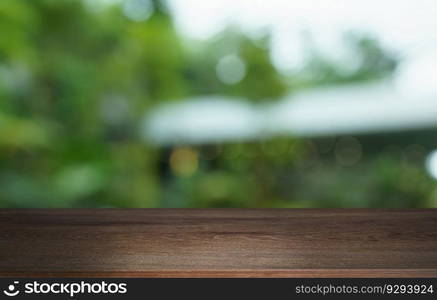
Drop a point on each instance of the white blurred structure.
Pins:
(365, 108)
(350, 109)
(203, 120)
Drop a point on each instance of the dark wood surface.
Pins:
(218, 243)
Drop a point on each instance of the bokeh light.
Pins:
(348, 151)
(431, 164)
(138, 10)
(184, 161)
(231, 69)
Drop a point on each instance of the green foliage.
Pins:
(370, 60)
(75, 82)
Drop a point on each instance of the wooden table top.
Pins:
(218, 243)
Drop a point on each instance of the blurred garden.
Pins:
(79, 79)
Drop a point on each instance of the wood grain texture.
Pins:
(218, 243)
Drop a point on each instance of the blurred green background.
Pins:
(78, 82)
